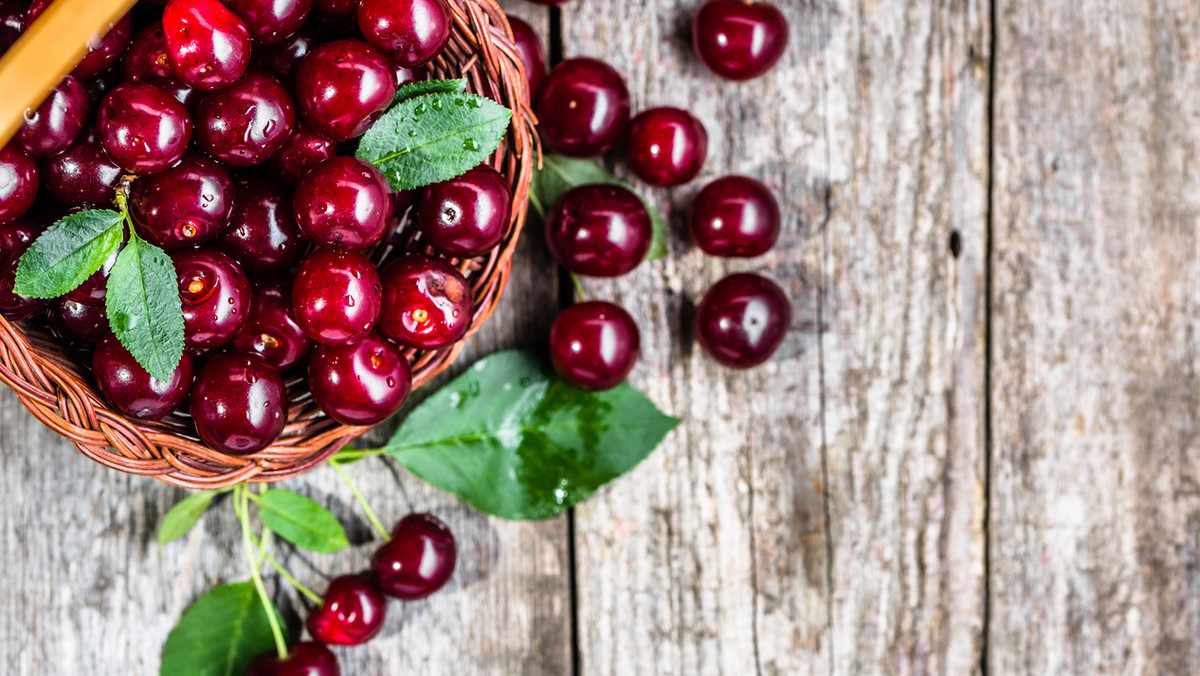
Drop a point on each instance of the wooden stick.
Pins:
(51, 47)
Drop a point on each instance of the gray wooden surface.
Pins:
(974, 453)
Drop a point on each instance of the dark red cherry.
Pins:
(215, 295)
(352, 613)
(599, 230)
(94, 289)
(272, 333)
(335, 18)
(131, 390)
(594, 345)
(427, 303)
(239, 403)
(363, 383)
(466, 216)
(147, 61)
(184, 206)
(739, 39)
(336, 296)
(529, 46)
(246, 122)
(344, 203)
(282, 59)
(19, 179)
(12, 22)
(142, 128)
(58, 121)
(270, 21)
(413, 31)
(666, 146)
(742, 320)
(303, 150)
(83, 175)
(304, 659)
(208, 45)
(735, 216)
(583, 107)
(406, 75)
(75, 323)
(15, 238)
(343, 87)
(101, 53)
(263, 235)
(418, 560)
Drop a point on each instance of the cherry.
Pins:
(594, 345)
(304, 659)
(343, 87)
(739, 39)
(742, 320)
(352, 612)
(427, 303)
(344, 203)
(239, 403)
(406, 75)
(282, 59)
(184, 206)
(208, 45)
(735, 216)
(131, 390)
(271, 332)
(246, 122)
(142, 128)
(363, 383)
(529, 46)
(413, 31)
(583, 107)
(263, 235)
(12, 20)
(667, 146)
(15, 238)
(147, 61)
(303, 150)
(215, 295)
(336, 297)
(599, 230)
(58, 121)
(418, 560)
(270, 21)
(94, 289)
(77, 324)
(19, 179)
(466, 216)
(338, 10)
(82, 175)
(101, 53)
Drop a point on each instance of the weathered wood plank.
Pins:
(1095, 516)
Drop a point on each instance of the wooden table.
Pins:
(976, 450)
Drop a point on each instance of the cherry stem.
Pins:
(578, 286)
(353, 454)
(241, 507)
(363, 502)
(312, 596)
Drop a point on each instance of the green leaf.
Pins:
(434, 138)
(517, 442)
(69, 252)
(422, 87)
(144, 310)
(301, 521)
(559, 174)
(180, 518)
(219, 634)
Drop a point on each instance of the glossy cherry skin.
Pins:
(246, 122)
(15, 238)
(344, 203)
(57, 123)
(362, 383)
(353, 612)
(742, 320)
(283, 58)
(303, 150)
(263, 236)
(418, 560)
(304, 659)
(583, 107)
(208, 45)
(133, 391)
(19, 180)
(529, 46)
(667, 146)
(413, 31)
(466, 216)
(239, 403)
(599, 230)
(147, 61)
(102, 53)
(142, 128)
(427, 303)
(215, 295)
(184, 206)
(272, 333)
(739, 39)
(77, 324)
(735, 216)
(343, 87)
(12, 22)
(82, 175)
(270, 21)
(336, 296)
(594, 345)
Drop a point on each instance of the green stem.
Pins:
(353, 454)
(363, 502)
(578, 286)
(241, 506)
(312, 596)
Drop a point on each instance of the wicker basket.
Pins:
(59, 394)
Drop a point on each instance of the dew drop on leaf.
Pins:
(459, 102)
(420, 109)
(471, 145)
(475, 103)
(412, 132)
(437, 104)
